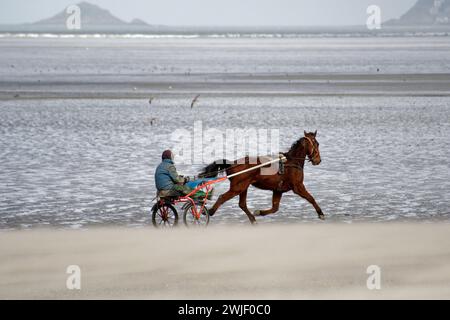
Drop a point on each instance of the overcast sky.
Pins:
(217, 12)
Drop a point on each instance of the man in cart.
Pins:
(170, 184)
(168, 181)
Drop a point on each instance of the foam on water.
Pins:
(232, 35)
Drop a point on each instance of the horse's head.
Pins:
(312, 147)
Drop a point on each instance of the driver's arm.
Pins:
(174, 175)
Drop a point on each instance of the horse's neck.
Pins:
(298, 155)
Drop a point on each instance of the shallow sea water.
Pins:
(78, 163)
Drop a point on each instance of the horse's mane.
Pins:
(212, 170)
(296, 145)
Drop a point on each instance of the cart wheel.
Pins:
(191, 221)
(164, 215)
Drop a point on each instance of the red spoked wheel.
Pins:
(190, 219)
(164, 215)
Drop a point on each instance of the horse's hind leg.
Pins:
(276, 198)
(243, 206)
(222, 199)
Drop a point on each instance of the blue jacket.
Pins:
(166, 175)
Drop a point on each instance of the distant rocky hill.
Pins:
(425, 13)
(92, 18)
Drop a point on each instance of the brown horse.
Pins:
(290, 178)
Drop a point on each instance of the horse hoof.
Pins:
(321, 217)
(257, 213)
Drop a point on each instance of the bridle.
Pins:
(310, 157)
(314, 149)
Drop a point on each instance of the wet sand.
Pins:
(314, 261)
(217, 85)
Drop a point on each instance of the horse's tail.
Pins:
(212, 170)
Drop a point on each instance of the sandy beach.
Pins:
(314, 261)
(225, 85)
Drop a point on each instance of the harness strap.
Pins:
(281, 164)
(295, 166)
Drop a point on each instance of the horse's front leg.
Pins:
(276, 198)
(302, 192)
